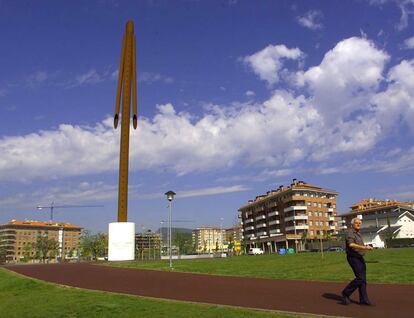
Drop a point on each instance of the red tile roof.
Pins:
(42, 224)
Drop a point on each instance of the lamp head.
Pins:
(170, 195)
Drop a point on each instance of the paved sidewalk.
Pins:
(283, 295)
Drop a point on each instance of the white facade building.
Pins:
(381, 221)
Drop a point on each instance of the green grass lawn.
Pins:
(383, 266)
(23, 297)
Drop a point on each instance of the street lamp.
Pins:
(170, 196)
(221, 235)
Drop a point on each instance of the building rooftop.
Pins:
(32, 223)
(295, 185)
(372, 203)
(388, 205)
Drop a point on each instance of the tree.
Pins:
(93, 246)
(304, 238)
(3, 254)
(45, 246)
(27, 252)
(183, 241)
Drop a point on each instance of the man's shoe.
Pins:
(345, 300)
(366, 303)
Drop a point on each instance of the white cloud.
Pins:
(81, 193)
(311, 20)
(259, 177)
(95, 193)
(395, 105)
(249, 93)
(268, 63)
(150, 78)
(407, 9)
(409, 43)
(353, 65)
(397, 160)
(345, 112)
(90, 77)
(211, 191)
(3, 91)
(37, 78)
(67, 151)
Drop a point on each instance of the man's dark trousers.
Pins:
(358, 266)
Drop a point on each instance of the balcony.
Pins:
(330, 209)
(297, 227)
(273, 213)
(250, 237)
(249, 228)
(331, 218)
(262, 233)
(274, 231)
(259, 209)
(249, 221)
(260, 217)
(332, 227)
(296, 217)
(295, 208)
(261, 225)
(274, 222)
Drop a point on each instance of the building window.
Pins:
(310, 223)
(311, 233)
(317, 223)
(310, 213)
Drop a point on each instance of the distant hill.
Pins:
(164, 231)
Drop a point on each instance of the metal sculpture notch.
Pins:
(127, 81)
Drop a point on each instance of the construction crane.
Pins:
(52, 206)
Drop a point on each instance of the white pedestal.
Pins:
(121, 241)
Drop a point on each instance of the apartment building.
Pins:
(234, 239)
(234, 233)
(381, 218)
(19, 237)
(285, 216)
(208, 239)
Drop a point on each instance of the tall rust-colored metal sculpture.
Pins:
(127, 81)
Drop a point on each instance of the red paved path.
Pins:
(395, 301)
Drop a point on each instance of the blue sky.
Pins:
(235, 98)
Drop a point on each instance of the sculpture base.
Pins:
(121, 241)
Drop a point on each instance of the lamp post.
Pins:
(170, 196)
(221, 235)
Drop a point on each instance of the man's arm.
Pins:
(360, 247)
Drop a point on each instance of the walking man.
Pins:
(355, 250)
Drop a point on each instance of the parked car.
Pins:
(335, 249)
(255, 251)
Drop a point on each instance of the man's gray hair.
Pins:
(354, 219)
